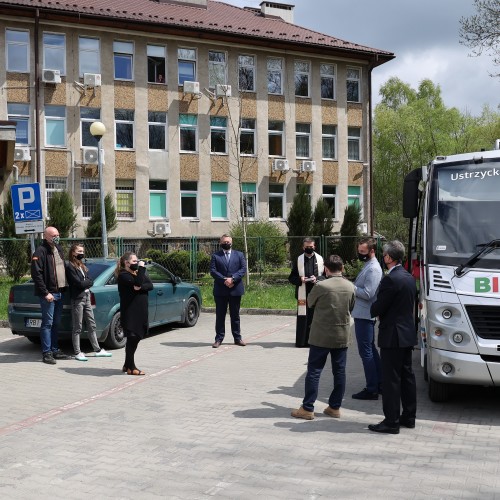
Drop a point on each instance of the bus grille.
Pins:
(485, 321)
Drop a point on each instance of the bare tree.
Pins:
(481, 31)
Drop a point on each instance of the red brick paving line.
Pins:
(42, 417)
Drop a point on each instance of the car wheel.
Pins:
(438, 392)
(34, 340)
(115, 339)
(191, 312)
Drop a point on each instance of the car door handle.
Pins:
(159, 292)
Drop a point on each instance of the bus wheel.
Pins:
(438, 392)
(426, 373)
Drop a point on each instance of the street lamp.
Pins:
(97, 129)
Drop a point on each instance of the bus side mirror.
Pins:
(411, 193)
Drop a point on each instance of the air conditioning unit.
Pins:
(191, 87)
(92, 79)
(51, 76)
(161, 228)
(281, 166)
(223, 90)
(22, 154)
(308, 166)
(89, 156)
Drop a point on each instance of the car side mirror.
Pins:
(177, 280)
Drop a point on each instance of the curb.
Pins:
(263, 312)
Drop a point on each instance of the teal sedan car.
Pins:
(170, 301)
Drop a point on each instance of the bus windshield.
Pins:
(464, 213)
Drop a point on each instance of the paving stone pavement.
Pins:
(206, 423)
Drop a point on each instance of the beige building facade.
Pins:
(210, 110)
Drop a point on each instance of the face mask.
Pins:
(79, 256)
(363, 257)
(309, 250)
(56, 240)
(226, 246)
(134, 267)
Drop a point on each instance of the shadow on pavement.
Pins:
(93, 372)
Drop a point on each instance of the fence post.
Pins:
(260, 255)
(194, 258)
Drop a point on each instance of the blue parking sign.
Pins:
(26, 202)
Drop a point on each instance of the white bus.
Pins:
(454, 209)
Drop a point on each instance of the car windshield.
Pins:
(464, 207)
(96, 269)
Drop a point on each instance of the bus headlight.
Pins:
(447, 314)
(458, 338)
(447, 368)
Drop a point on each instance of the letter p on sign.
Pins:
(26, 196)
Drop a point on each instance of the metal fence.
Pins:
(269, 258)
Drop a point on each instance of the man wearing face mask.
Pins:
(227, 268)
(305, 272)
(49, 277)
(365, 286)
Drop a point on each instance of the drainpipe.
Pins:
(37, 99)
(370, 162)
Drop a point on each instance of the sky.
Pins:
(424, 36)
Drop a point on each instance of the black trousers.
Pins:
(221, 303)
(398, 384)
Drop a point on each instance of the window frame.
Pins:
(120, 44)
(351, 140)
(46, 46)
(331, 196)
(83, 126)
(219, 194)
(9, 44)
(81, 71)
(214, 68)
(353, 198)
(327, 76)
(247, 67)
(187, 127)
(272, 132)
(218, 130)
(278, 71)
(300, 135)
(89, 194)
(158, 124)
(158, 191)
(330, 137)
(298, 74)
(21, 118)
(353, 81)
(119, 122)
(154, 62)
(51, 189)
(251, 195)
(125, 188)
(54, 118)
(281, 195)
(186, 60)
(250, 132)
(189, 193)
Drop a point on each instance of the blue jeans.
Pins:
(365, 336)
(51, 317)
(315, 365)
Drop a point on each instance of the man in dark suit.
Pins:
(395, 306)
(227, 267)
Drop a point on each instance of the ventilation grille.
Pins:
(439, 282)
(485, 321)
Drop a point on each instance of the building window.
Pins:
(54, 52)
(353, 143)
(189, 199)
(87, 117)
(301, 70)
(329, 140)
(218, 132)
(306, 186)
(156, 64)
(246, 73)
(124, 129)
(53, 185)
(186, 61)
(20, 113)
(353, 81)
(327, 75)
(302, 140)
(18, 50)
(55, 126)
(125, 197)
(276, 138)
(274, 75)
(90, 196)
(216, 68)
(330, 196)
(89, 50)
(276, 201)
(157, 199)
(247, 136)
(354, 195)
(249, 199)
(219, 200)
(157, 124)
(188, 133)
(123, 55)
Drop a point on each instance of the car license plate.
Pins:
(33, 323)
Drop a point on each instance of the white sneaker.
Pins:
(81, 357)
(103, 354)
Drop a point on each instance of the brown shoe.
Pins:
(301, 413)
(216, 344)
(332, 412)
(240, 342)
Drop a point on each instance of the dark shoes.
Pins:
(48, 358)
(60, 355)
(384, 428)
(240, 342)
(365, 395)
(216, 344)
(409, 423)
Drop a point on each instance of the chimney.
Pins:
(283, 10)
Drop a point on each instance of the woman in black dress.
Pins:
(133, 287)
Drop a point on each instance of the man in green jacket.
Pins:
(333, 300)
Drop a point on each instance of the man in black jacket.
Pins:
(395, 306)
(49, 276)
